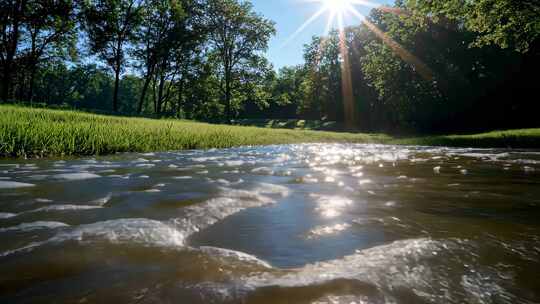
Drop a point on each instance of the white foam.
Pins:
(380, 265)
(76, 176)
(267, 188)
(343, 299)
(38, 177)
(263, 170)
(105, 167)
(204, 159)
(528, 169)
(125, 231)
(327, 230)
(234, 163)
(5, 215)
(14, 185)
(205, 214)
(183, 177)
(364, 182)
(25, 227)
(102, 201)
(144, 232)
(43, 200)
(63, 208)
(145, 165)
(229, 183)
(152, 191)
(221, 254)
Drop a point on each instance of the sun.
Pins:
(336, 10)
(336, 6)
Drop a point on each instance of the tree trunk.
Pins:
(180, 98)
(160, 95)
(11, 49)
(228, 97)
(31, 84)
(143, 93)
(116, 85)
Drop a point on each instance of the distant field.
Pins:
(28, 132)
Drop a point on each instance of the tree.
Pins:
(506, 23)
(111, 26)
(49, 32)
(237, 35)
(12, 17)
(172, 35)
(158, 21)
(324, 59)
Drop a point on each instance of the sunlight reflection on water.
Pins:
(314, 222)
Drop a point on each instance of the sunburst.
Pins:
(337, 10)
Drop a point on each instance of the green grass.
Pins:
(44, 132)
(521, 138)
(31, 132)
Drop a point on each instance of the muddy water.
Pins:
(278, 224)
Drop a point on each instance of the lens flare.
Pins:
(337, 10)
(336, 6)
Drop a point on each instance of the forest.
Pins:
(417, 66)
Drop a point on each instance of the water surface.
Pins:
(319, 223)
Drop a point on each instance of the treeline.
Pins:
(182, 58)
(417, 66)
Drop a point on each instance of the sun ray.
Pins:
(329, 23)
(365, 3)
(405, 55)
(304, 25)
(337, 10)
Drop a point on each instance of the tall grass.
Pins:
(31, 132)
(44, 132)
(522, 138)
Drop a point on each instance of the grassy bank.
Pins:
(516, 139)
(43, 132)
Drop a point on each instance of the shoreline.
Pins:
(39, 132)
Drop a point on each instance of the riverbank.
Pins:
(30, 132)
(43, 132)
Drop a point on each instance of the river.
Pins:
(313, 223)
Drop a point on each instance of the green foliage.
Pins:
(522, 138)
(111, 25)
(411, 66)
(506, 23)
(27, 132)
(238, 35)
(30, 32)
(323, 64)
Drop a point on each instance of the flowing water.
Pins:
(320, 223)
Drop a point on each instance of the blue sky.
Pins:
(289, 15)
